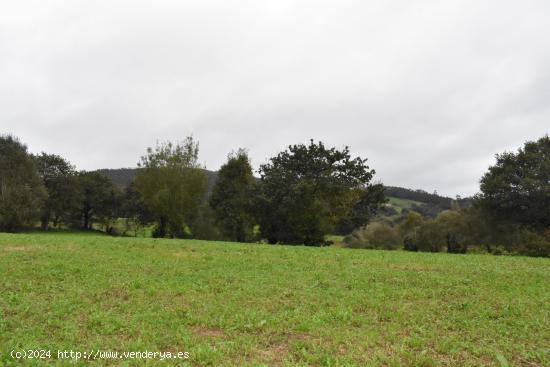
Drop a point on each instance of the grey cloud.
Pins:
(429, 91)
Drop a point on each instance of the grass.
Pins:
(249, 304)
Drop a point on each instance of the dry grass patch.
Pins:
(207, 332)
(17, 248)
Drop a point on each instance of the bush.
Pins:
(408, 230)
(374, 236)
(533, 244)
(454, 227)
(204, 226)
(454, 246)
(355, 239)
(430, 237)
(410, 244)
(449, 229)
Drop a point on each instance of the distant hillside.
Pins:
(419, 195)
(121, 177)
(422, 201)
(402, 204)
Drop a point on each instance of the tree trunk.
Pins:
(162, 227)
(86, 223)
(45, 221)
(55, 221)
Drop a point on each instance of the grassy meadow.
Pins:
(250, 305)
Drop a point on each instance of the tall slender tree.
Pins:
(97, 199)
(232, 198)
(172, 185)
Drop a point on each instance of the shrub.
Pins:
(455, 230)
(449, 229)
(532, 244)
(374, 236)
(410, 244)
(430, 237)
(408, 230)
(355, 239)
(204, 226)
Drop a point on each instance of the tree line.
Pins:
(510, 214)
(302, 194)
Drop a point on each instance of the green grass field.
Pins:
(249, 304)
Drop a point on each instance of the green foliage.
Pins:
(434, 234)
(22, 193)
(364, 209)
(422, 202)
(419, 197)
(401, 205)
(307, 190)
(99, 201)
(465, 229)
(483, 231)
(133, 210)
(517, 188)
(204, 225)
(408, 230)
(374, 236)
(172, 185)
(449, 229)
(233, 198)
(431, 236)
(58, 176)
(231, 304)
(455, 229)
(533, 244)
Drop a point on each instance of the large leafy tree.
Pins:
(517, 188)
(133, 210)
(21, 190)
(97, 200)
(364, 209)
(172, 185)
(307, 189)
(59, 178)
(232, 198)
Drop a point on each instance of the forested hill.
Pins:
(418, 195)
(400, 198)
(422, 201)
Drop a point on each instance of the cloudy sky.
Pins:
(428, 91)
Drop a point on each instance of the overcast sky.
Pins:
(428, 91)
